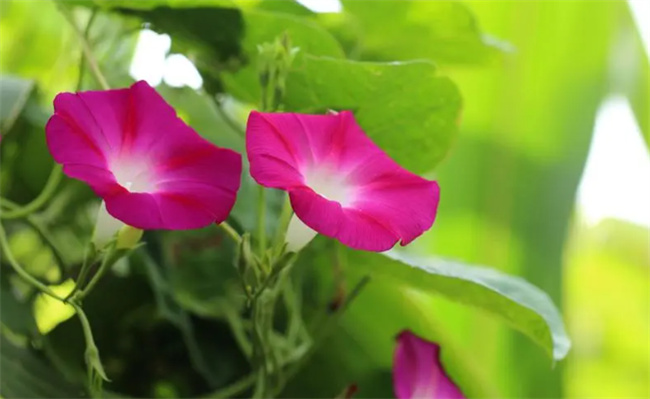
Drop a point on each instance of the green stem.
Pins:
(238, 330)
(42, 231)
(275, 273)
(90, 256)
(82, 59)
(93, 361)
(42, 198)
(4, 245)
(259, 351)
(234, 125)
(230, 231)
(92, 62)
(234, 389)
(324, 332)
(110, 257)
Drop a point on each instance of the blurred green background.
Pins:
(533, 76)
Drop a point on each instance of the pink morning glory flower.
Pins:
(417, 371)
(151, 169)
(340, 183)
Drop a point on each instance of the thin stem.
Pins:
(233, 389)
(324, 332)
(238, 330)
(93, 361)
(42, 231)
(226, 118)
(275, 272)
(90, 256)
(111, 256)
(85, 324)
(82, 59)
(260, 351)
(261, 220)
(230, 231)
(42, 198)
(92, 62)
(4, 245)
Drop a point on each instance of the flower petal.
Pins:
(417, 371)
(350, 226)
(152, 170)
(341, 184)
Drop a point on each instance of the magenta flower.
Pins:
(152, 170)
(340, 183)
(417, 371)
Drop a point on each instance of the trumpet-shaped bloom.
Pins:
(340, 183)
(417, 371)
(152, 170)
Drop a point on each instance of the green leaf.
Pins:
(262, 27)
(443, 31)
(202, 113)
(208, 35)
(14, 93)
(15, 313)
(26, 375)
(524, 306)
(150, 4)
(406, 108)
(221, 40)
(200, 351)
(201, 271)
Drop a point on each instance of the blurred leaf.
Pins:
(201, 272)
(509, 187)
(15, 310)
(524, 306)
(26, 375)
(113, 40)
(138, 348)
(262, 27)
(212, 36)
(443, 31)
(406, 108)
(14, 93)
(201, 112)
(221, 39)
(46, 52)
(149, 4)
(630, 74)
(199, 348)
(26, 163)
(362, 342)
(611, 354)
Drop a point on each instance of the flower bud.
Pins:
(128, 237)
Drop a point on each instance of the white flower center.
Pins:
(134, 174)
(330, 185)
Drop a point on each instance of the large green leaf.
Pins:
(26, 375)
(521, 304)
(362, 342)
(406, 108)
(444, 31)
